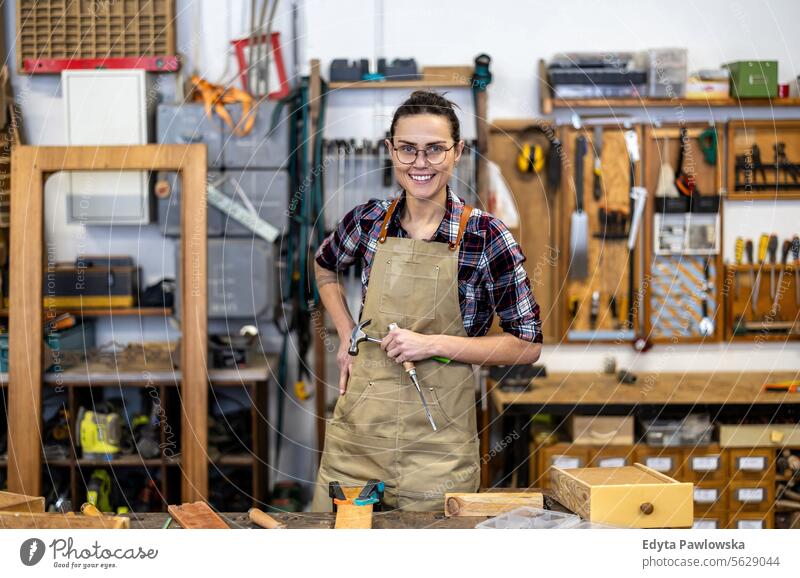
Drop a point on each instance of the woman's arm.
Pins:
(332, 294)
(506, 349)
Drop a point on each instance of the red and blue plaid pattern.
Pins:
(491, 278)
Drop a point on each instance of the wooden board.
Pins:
(538, 212)
(41, 521)
(197, 516)
(30, 167)
(352, 517)
(631, 497)
(10, 502)
(488, 504)
(608, 258)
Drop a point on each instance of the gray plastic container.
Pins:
(526, 518)
(187, 123)
(260, 148)
(169, 209)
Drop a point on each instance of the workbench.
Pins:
(564, 394)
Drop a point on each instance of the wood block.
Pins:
(10, 502)
(42, 521)
(197, 516)
(466, 504)
(352, 517)
(632, 496)
(601, 430)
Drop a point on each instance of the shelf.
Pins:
(548, 102)
(400, 84)
(110, 312)
(234, 460)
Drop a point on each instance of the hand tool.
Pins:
(573, 307)
(89, 509)
(757, 165)
(772, 250)
(708, 144)
(785, 250)
(613, 307)
(796, 255)
(598, 148)
(264, 520)
(579, 226)
(358, 335)
(666, 177)
(763, 242)
(411, 370)
(370, 494)
(783, 162)
(530, 158)
(685, 183)
(748, 251)
(99, 434)
(98, 490)
(706, 326)
(638, 199)
(595, 309)
(738, 255)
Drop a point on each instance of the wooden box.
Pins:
(633, 496)
(705, 464)
(601, 430)
(713, 521)
(755, 464)
(612, 457)
(750, 497)
(709, 498)
(565, 456)
(750, 521)
(668, 461)
(759, 435)
(10, 502)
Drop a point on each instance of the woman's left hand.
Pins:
(405, 345)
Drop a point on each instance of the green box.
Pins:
(754, 78)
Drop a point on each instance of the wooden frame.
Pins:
(30, 168)
(709, 181)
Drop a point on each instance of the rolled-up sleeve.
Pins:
(340, 249)
(508, 286)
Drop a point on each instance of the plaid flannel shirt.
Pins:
(491, 278)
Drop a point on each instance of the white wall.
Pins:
(516, 34)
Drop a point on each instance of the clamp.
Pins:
(370, 494)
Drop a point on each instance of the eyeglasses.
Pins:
(435, 154)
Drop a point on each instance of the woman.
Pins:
(439, 270)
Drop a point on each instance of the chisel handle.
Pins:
(264, 520)
(407, 365)
(787, 247)
(748, 250)
(772, 248)
(739, 253)
(763, 244)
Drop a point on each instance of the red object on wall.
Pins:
(242, 44)
(56, 65)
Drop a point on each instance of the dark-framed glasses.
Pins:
(435, 153)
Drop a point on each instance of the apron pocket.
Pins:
(374, 412)
(439, 408)
(353, 397)
(410, 289)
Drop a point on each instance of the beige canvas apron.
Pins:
(379, 429)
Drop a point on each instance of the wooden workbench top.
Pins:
(650, 388)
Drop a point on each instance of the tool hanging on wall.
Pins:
(666, 176)
(579, 225)
(707, 140)
(638, 200)
(772, 250)
(748, 251)
(530, 159)
(738, 255)
(763, 243)
(684, 182)
(706, 325)
(796, 255)
(598, 173)
(786, 249)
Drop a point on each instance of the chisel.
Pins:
(739, 254)
(796, 255)
(772, 249)
(763, 242)
(597, 141)
(785, 250)
(748, 251)
(411, 370)
(595, 309)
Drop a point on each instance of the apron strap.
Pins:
(462, 225)
(386, 219)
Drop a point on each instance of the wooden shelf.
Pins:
(401, 84)
(235, 460)
(110, 312)
(549, 103)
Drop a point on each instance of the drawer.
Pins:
(714, 521)
(601, 430)
(565, 456)
(668, 461)
(759, 435)
(754, 464)
(746, 521)
(710, 497)
(612, 457)
(750, 497)
(708, 463)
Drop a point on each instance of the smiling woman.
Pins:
(435, 271)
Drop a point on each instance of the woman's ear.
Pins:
(458, 150)
(388, 144)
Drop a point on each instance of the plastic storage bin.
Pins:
(666, 71)
(693, 431)
(527, 518)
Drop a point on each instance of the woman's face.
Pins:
(422, 179)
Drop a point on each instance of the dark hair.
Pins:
(428, 102)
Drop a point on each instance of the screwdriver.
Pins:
(796, 255)
(739, 254)
(748, 251)
(772, 249)
(787, 247)
(763, 242)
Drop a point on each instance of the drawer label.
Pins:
(659, 464)
(705, 525)
(751, 463)
(750, 525)
(706, 495)
(566, 462)
(750, 495)
(705, 463)
(611, 463)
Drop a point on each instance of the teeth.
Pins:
(421, 178)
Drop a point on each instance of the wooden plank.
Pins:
(197, 516)
(27, 521)
(352, 517)
(25, 326)
(489, 504)
(10, 502)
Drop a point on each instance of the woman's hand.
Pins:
(404, 345)
(345, 362)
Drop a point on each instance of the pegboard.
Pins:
(675, 286)
(88, 29)
(609, 260)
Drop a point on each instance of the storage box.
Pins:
(57, 346)
(751, 521)
(631, 497)
(169, 206)
(759, 435)
(706, 465)
(667, 461)
(601, 430)
(751, 496)
(187, 123)
(264, 147)
(69, 286)
(752, 464)
(709, 84)
(666, 71)
(754, 78)
(709, 497)
(692, 431)
(526, 518)
(714, 521)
